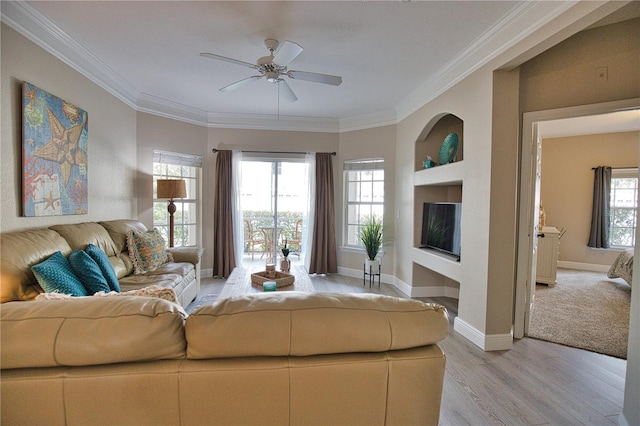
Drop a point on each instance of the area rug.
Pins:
(585, 310)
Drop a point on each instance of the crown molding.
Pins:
(165, 108)
(522, 22)
(527, 18)
(273, 122)
(368, 121)
(170, 109)
(36, 27)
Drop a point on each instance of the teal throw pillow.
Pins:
(101, 258)
(56, 276)
(88, 271)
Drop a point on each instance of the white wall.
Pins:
(111, 145)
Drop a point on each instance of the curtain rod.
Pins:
(214, 150)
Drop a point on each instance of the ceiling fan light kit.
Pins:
(274, 68)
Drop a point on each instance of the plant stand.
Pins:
(371, 273)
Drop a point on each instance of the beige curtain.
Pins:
(224, 259)
(324, 259)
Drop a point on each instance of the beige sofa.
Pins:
(20, 250)
(284, 358)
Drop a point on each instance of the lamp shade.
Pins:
(171, 188)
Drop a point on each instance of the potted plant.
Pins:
(371, 236)
(285, 263)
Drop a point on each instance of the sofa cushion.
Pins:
(19, 251)
(118, 230)
(100, 257)
(80, 234)
(147, 250)
(300, 324)
(88, 272)
(55, 275)
(90, 331)
(176, 276)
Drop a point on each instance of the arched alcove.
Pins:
(432, 136)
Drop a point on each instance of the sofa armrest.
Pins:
(90, 331)
(186, 254)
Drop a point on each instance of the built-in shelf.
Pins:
(442, 183)
(441, 263)
(448, 174)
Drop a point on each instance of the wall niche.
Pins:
(430, 141)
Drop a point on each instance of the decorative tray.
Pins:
(282, 279)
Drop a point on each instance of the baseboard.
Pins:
(206, 273)
(494, 342)
(622, 420)
(440, 291)
(583, 266)
(403, 287)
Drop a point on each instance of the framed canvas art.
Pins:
(54, 155)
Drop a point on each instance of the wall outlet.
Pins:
(602, 74)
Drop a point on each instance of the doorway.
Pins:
(274, 199)
(532, 133)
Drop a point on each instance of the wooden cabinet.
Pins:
(547, 260)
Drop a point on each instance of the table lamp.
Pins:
(171, 189)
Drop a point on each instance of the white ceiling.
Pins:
(392, 56)
(620, 121)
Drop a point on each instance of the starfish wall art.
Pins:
(54, 141)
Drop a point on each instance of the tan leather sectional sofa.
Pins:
(281, 358)
(20, 250)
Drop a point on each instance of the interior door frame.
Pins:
(527, 200)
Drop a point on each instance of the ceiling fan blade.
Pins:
(287, 53)
(285, 90)
(333, 80)
(230, 60)
(240, 83)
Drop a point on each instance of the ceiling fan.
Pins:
(274, 68)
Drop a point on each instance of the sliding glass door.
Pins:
(274, 201)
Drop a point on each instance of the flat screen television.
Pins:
(441, 227)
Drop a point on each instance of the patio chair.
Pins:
(296, 238)
(252, 239)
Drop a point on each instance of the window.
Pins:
(624, 207)
(171, 165)
(364, 196)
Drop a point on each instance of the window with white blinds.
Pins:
(174, 165)
(623, 211)
(363, 195)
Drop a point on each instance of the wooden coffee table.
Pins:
(239, 282)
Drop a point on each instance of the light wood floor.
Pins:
(535, 383)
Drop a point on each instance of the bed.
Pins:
(622, 267)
